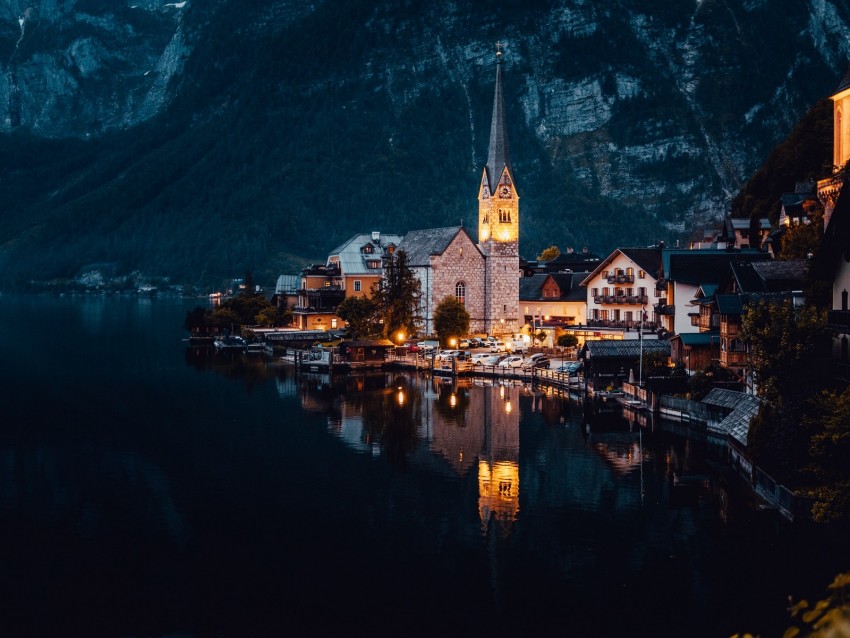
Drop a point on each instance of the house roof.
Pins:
(744, 407)
(647, 259)
(704, 266)
(287, 284)
(730, 304)
(352, 258)
(770, 276)
(605, 349)
(743, 223)
(421, 244)
(699, 338)
(531, 288)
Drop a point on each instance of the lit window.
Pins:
(641, 274)
(333, 322)
(460, 292)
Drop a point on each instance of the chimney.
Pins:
(376, 236)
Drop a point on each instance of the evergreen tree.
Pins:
(397, 296)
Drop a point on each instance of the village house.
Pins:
(553, 302)
(620, 289)
(351, 269)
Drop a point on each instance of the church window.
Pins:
(460, 292)
(486, 218)
(504, 216)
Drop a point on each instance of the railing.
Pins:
(838, 318)
(621, 279)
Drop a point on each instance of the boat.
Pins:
(230, 343)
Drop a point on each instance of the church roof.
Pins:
(498, 157)
(421, 244)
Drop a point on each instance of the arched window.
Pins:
(460, 292)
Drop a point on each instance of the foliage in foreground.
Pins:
(827, 618)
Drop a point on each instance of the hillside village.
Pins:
(690, 301)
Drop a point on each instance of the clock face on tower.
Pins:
(505, 191)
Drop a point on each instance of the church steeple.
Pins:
(498, 157)
(498, 224)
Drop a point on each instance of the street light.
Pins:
(452, 342)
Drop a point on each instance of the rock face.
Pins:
(82, 68)
(660, 107)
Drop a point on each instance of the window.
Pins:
(333, 322)
(504, 216)
(357, 285)
(374, 264)
(630, 272)
(641, 274)
(606, 291)
(641, 291)
(594, 292)
(367, 248)
(605, 274)
(460, 292)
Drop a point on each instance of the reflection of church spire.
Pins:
(498, 158)
(498, 465)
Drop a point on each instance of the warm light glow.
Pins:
(453, 400)
(400, 397)
(452, 342)
(501, 392)
(508, 407)
(400, 336)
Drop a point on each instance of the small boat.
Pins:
(230, 343)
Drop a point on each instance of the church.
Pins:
(483, 275)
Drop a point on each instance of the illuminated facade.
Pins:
(829, 188)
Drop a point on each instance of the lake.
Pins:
(152, 489)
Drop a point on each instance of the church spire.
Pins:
(497, 157)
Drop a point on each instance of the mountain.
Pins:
(199, 140)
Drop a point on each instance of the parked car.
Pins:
(464, 343)
(572, 368)
(444, 355)
(517, 345)
(497, 346)
(475, 342)
(537, 360)
(479, 357)
(428, 345)
(513, 361)
(492, 360)
(412, 347)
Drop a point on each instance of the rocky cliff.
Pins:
(250, 134)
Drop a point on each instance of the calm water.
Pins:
(149, 489)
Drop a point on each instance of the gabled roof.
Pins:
(351, 258)
(704, 266)
(531, 288)
(605, 349)
(743, 223)
(770, 276)
(698, 338)
(744, 407)
(420, 245)
(647, 259)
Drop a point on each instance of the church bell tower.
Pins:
(498, 225)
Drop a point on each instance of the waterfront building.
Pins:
(552, 302)
(830, 187)
(351, 269)
(621, 288)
